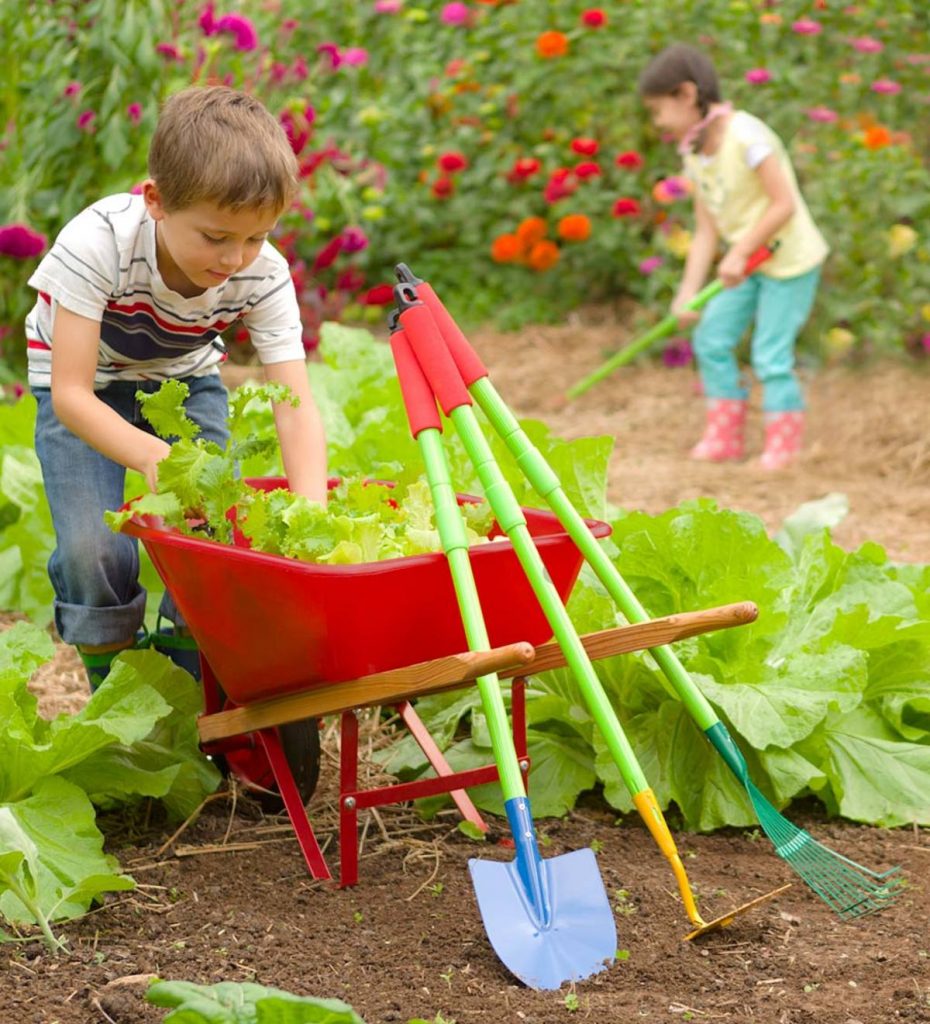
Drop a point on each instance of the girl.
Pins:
(745, 192)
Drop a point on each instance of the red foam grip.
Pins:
(466, 358)
(434, 357)
(418, 395)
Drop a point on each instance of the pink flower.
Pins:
(626, 207)
(758, 76)
(822, 114)
(289, 24)
(136, 189)
(278, 72)
(327, 255)
(241, 27)
(331, 51)
(925, 341)
(455, 14)
(388, 6)
(85, 120)
(886, 86)
(650, 264)
(299, 68)
(72, 89)
(20, 241)
(806, 27)
(297, 127)
(168, 50)
(134, 112)
(206, 20)
(354, 240)
(355, 56)
(594, 17)
(866, 44)
(678, 352)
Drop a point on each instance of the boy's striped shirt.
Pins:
(103, 266)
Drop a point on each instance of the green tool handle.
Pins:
(545, 482)
(510, 517)
(665, 327)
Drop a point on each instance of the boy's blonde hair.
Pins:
(214, 144)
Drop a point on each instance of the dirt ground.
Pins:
(229, 899)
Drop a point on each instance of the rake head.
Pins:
(848, 888)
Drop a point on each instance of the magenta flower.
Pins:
(824, 115)
(650, 264)
(278, 72)
(678, 352)
(758, 76)
(206, 21)
(136, 189)
(886, 86)
(289, 24)
(806, 27)
(299, 68)
(455, 14)
(354, 240)
(20, 241)
(134, 112)
(332, 52)
(85, 120)
(925, 341)
(168, 50)
(866, 44)
(241, 27)
(355, 56)
(72, 89)
(388, 6)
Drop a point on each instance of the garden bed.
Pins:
(408, 941)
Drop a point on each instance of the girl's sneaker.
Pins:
(783, 434)
(723, 432)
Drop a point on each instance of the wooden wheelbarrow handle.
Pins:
(457, 670)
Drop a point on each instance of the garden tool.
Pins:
(848, 888)
(447, 385)
(549, 920)
(665, 327)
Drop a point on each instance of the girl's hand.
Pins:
(686, 317)
(732, 268)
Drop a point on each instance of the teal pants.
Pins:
(780, 308)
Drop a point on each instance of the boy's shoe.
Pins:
(97, 664)
(783, 434)
(176, 643)
(723, 432)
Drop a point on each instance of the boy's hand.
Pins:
(156, 450)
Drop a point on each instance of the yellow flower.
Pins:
(839, 340)
(925, 312)
(901, 239)
(678, 242)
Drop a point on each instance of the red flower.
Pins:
(558, 188)
(587, 169)
(626, 207)
(443, 187)
(20, 242)
(523, 168)
(380, 295)
(350, 280)
(594, 17)
(630, 159)
(585, 147)
(452, 162)
(326, 257)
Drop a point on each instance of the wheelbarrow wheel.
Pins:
(300, 742)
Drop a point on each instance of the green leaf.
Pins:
(165, 412)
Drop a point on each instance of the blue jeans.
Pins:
(94, 571)
(780, 307)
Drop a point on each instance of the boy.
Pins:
(135, 291)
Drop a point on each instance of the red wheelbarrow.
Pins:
(285, 642)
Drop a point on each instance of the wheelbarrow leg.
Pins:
(348, 810)
(296, 811)
(441, 766)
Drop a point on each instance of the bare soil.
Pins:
(229, 898)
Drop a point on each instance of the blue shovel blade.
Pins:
(580, 937)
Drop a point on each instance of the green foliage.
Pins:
(135, 737)
(230, 1002)
(372, 135)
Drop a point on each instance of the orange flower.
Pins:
(770, 19)
(552, 44)
(575, 227)
(543, 255)
(530, 231)
(876, 137)
(506, 249)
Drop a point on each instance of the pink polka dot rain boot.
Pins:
(783, 434)
(723, 432)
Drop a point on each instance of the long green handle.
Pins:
(510, 516)
(545, 482)
(666, 326)
(455, 545)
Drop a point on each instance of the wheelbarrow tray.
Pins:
(270, 625)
